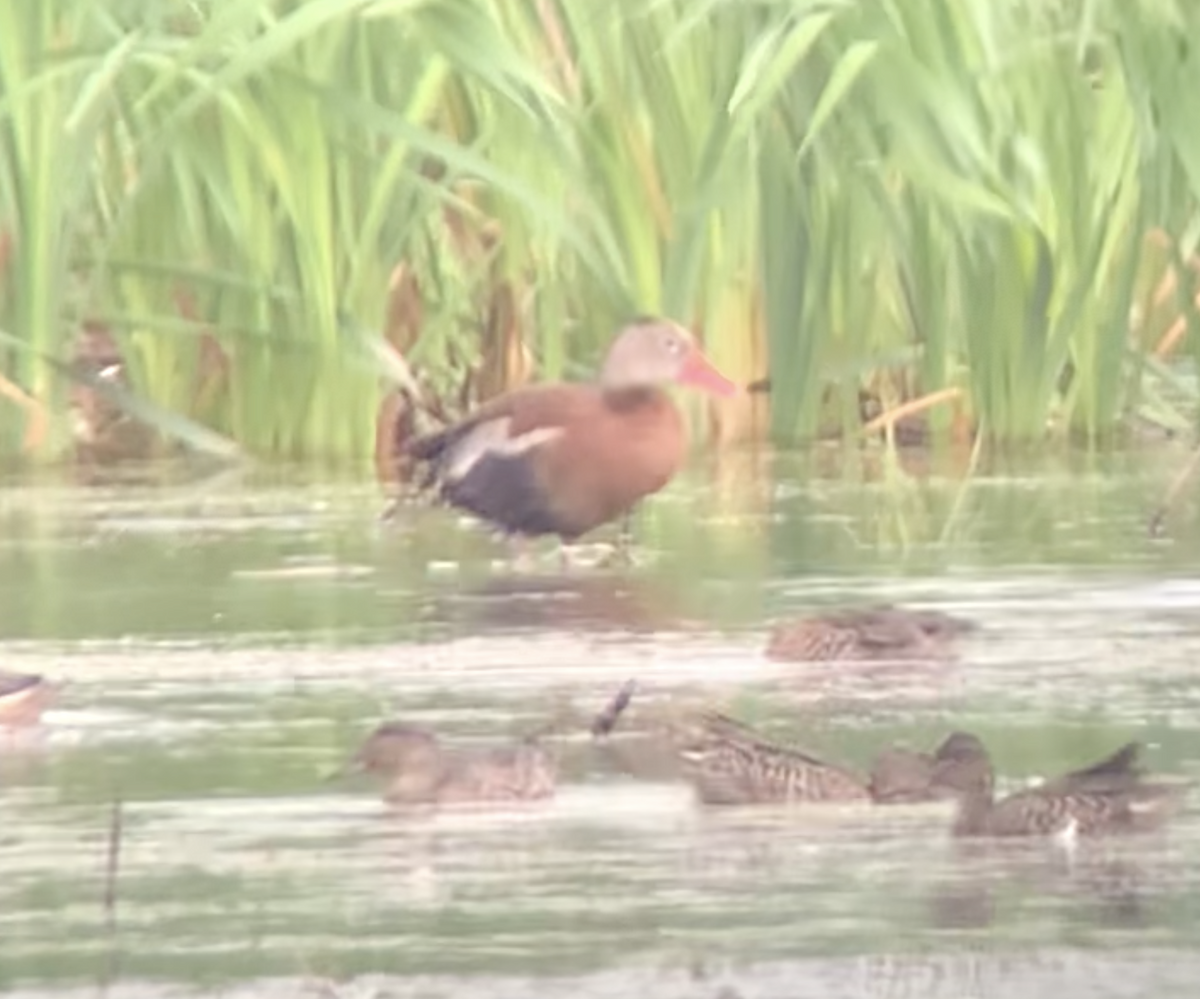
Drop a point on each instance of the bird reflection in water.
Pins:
(583, 603)
(1104, 882)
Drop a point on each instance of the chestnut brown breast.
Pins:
(557, 459)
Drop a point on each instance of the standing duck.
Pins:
(871, 633)
(562, 458)
(424, 770)
(728, 763)
(23, 699)
(1110, 796)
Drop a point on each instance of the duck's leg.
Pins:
(522, 556)
(625, 536)
(565, 560)
(621, 553)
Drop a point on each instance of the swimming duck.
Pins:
(423, 770)
(870, 633)
(907, 775)
(729, 763)
(23, 698)
(1110, 796)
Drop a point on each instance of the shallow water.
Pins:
(224, 644)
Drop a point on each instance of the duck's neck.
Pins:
(974, 807)
(623, 398)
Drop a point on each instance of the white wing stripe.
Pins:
(492, 438)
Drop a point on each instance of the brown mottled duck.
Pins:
(729, 763)
(1111, 796)
(422, 769)
(875, 633)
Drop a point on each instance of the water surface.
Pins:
(225, 643)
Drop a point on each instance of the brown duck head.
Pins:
(411, 756)
(651, 351)
(958, 766)
(962, 766)
(962, 762)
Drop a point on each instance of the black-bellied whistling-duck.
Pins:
(565, 458)
(871, 633)
(23, 699)
(1108, 797)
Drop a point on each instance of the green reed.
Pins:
(838, 193)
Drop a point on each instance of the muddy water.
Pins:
(224, 643)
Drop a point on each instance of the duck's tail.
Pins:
(606, 720)
(1153, 804)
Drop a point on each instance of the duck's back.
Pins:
(523, 772)
(865, 634)
(1040, 812)
(731, 764)
(558, 458)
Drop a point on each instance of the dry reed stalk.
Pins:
(913, 407)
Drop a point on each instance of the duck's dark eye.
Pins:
(673, 345)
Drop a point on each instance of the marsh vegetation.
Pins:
(274, 212)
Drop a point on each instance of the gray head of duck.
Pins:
(651, 351)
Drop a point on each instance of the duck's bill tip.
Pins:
(699, 372)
